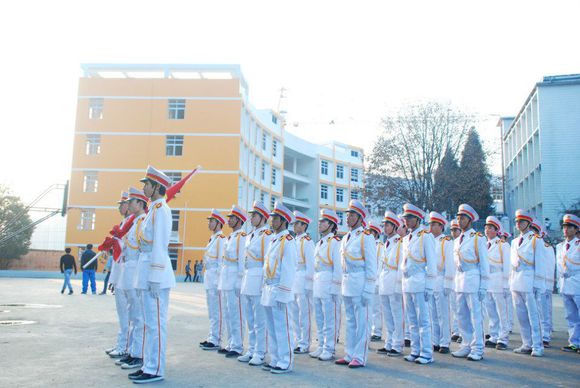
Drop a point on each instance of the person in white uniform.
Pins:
(279, 272)
(257, 244)
(527, 280)
(498, 292)
(569, 279)
(444, 284)
(377, 316)
(419, 269)
(359, 276)
(455, 335)
(155, 276)
(391, 286)
(544, 299)
(212, 260)
(126, 284)
(301, 307)
(230, 282)
(471, 279)
(121, 349)
(326, 286)
(505, 236)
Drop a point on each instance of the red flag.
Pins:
(172, 191)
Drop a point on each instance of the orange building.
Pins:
(176, 117)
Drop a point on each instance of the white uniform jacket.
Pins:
(212, 260)
(327, 267)
(232, 266)
(359, 263)
(419, 264)
(390, 275)
(528, 260)
(279, 270)
(257, 244)
(498, 255)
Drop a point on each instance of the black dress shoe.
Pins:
(233, 353)
(547, 344)
(375, 338)
(209, 346)
(501, 346)
(203, 343)
(62, 291)
(454, 337)
(487, 336)
(383, 351)
(147, 378)
(436, 348)
(490, 344)
(444, 350)
(223, 351)
(407, 343)
(134, 375)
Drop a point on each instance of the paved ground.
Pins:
(65, 347)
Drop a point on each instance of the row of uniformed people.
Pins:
(440, 281)
(143, 277)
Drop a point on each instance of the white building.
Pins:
(541, 162)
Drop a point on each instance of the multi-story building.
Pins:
(176, 117)
(540, 150)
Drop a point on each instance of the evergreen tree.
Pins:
(474, 177)
(446, 185)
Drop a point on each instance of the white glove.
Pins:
(481, 295)
(367, 299)
(428, 294)
(280, 305)
(153, 289)
(447, 291)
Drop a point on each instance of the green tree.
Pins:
(13, 217)
(446, 184)
(474, 177)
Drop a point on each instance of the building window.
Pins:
(88, 217)
(354, 175)
(272, 202)
(173, 255)
(354, 195)
(273, 177)
(339, 194)
(354, 153)
(264, 141)
(262, 197)
(263, 172)
(339, 171)
(274, 119)
(90, 182)
(274, 147)
(173, 176)
(174, 220)
(323, 167)
(174, 145)
(256, 161)
(176, 109)
(323, 192)
(340, 218)
(93, 145)
(96, 108)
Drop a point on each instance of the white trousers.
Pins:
(572, 308)
(453, 313)
(357, 329)
(256, 322)
(136, 324)
(498, 317)
(214, 311)
(527, 311)
(470, 321)
(544, 301)
(233, 317)
(419, 324)
(301, 312)
(327, 315)
(440, 321)
(510, 310)
(155, 314)
(123, 336)
(393, 315)
(377, 317)
(280, 341)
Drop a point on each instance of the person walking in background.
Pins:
(188, 272)
(198, 270)
(89, 272)
(67, 265)
(107, 269)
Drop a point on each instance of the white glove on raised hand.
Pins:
(481, 295)
(153, 289)
(428, 294)
(367, 299)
